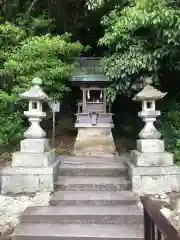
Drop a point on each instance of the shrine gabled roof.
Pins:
(88, 70)
(89, 78)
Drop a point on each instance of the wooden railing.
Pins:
(156, 225)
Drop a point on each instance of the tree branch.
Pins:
(31, 7)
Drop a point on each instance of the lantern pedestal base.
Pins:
(151, 159)
(35, 145)
(150, 145)
(27, 159)
(94, 141)
(29, 179)
(154, 179)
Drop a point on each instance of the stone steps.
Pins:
(43, 231)
(93, 198)
(88, 183)
(83, 214)
(86, 166)
(91, 159)
(92, 201)
(108, 170)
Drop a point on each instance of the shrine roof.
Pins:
(89, 78)
(88, 70)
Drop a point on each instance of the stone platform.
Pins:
(33, 159)
(24, 179)
(95, 141)
(151, 152)
(151, 159)
(153, 179)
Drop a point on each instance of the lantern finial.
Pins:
(148, 81)
(37, 81)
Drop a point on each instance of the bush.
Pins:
(26, 57)
(10, 121)
(44, 57)
(171, 131)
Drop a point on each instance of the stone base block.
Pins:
(150, 145)
(29, 180)
(152, 159)
(24, 159)
(35, 145)
(94, 141)
(153, 180)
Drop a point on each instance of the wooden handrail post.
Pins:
(156, 225)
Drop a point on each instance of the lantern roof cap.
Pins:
(35, 92)
(149, 92)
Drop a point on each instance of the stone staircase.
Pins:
(93, 200)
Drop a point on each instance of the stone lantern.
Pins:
(148, 96)
(35, 96)
(150, 167)
(33, 167)
(150, 148)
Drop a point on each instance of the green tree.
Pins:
(23, 58)
(143, 38)
(44, 57)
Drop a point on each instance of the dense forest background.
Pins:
(135, 38)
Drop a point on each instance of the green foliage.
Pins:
(44, 57)
(67, 15)
(10, 120)
(10, 116)
(10, 36)
(10, 33)
(143, 39)
(23, 58)
(95, 4)
(171, 131)
(37, 25)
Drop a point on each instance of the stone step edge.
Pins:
(93, 166)
(86, 198)
(87, 211)
(93, 179)
(74, 195)
(73, 231)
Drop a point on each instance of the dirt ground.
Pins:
(64, 140)
(64, 145)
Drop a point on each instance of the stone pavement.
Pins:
(93, 200)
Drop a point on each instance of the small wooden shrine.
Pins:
(94, 117)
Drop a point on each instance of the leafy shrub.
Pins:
(171, 131)
(26, 57)
(44, 57)
(10, 121)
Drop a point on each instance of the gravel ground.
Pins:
(12, 206)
